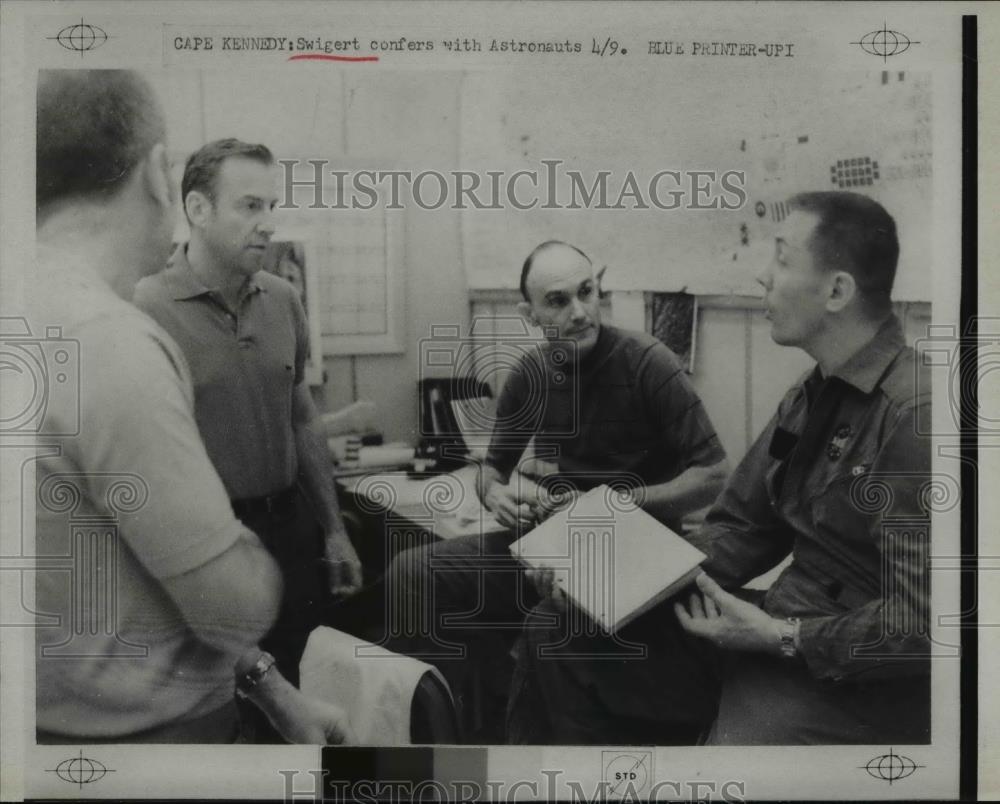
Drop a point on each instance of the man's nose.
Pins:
(578, 311)
(266, 224)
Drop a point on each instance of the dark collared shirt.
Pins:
(627, 414)
(838, 479)
(245, 364)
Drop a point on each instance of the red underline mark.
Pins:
(325, 57)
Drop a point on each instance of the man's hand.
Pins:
(343, 566)
(297, 717)
(544, 581)
(729, 622)
(550, 502)
(509, 510)
(311, 721)
(537, 469)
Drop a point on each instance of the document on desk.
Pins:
(448, 501)
(611, 558)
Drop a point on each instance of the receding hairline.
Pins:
(204, 166)
(235, 158)
(542, 248)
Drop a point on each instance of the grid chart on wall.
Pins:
(352, 262)
(353, 276)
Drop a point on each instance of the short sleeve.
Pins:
(676, 410)
(136, 417)
(513, 429)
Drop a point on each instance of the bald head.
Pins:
(561, 294)
(548, 246)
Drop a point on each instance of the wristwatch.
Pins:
(789, 632)
(246, 683)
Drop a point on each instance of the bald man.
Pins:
(630, 415)
(603, 405)
(837, 651)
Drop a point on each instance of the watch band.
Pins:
(789, 630)
(246, 683)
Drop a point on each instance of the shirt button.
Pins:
(833, 452)
(844, 431)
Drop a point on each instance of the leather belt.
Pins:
(280, 502)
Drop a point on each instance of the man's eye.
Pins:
(586, 293)
(558, 301)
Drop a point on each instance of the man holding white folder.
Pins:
(837, 650)
(604, 406)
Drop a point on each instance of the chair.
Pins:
(384, 693)
(433, 719)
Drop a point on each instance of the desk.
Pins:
(395, 512)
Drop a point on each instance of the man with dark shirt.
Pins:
(836, 651)
(603, 405)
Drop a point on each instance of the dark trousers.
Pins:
(574, 688)
(460, 604)
(574, 685)
(294, 538)
(766, 701)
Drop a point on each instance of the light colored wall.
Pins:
(412, 120)
(739, 372)
(402, 120)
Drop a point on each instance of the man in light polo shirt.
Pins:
(149, 592)
(244, 334)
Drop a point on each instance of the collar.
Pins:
(866, 367)
(184, 282)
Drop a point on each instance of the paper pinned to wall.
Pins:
(785, 133)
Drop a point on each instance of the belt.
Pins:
(281, 502)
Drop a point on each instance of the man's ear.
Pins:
(156, 176)
(843, 289)
(599, 276)
(525, 310)
(198, 207)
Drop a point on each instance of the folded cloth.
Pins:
(373, 685)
